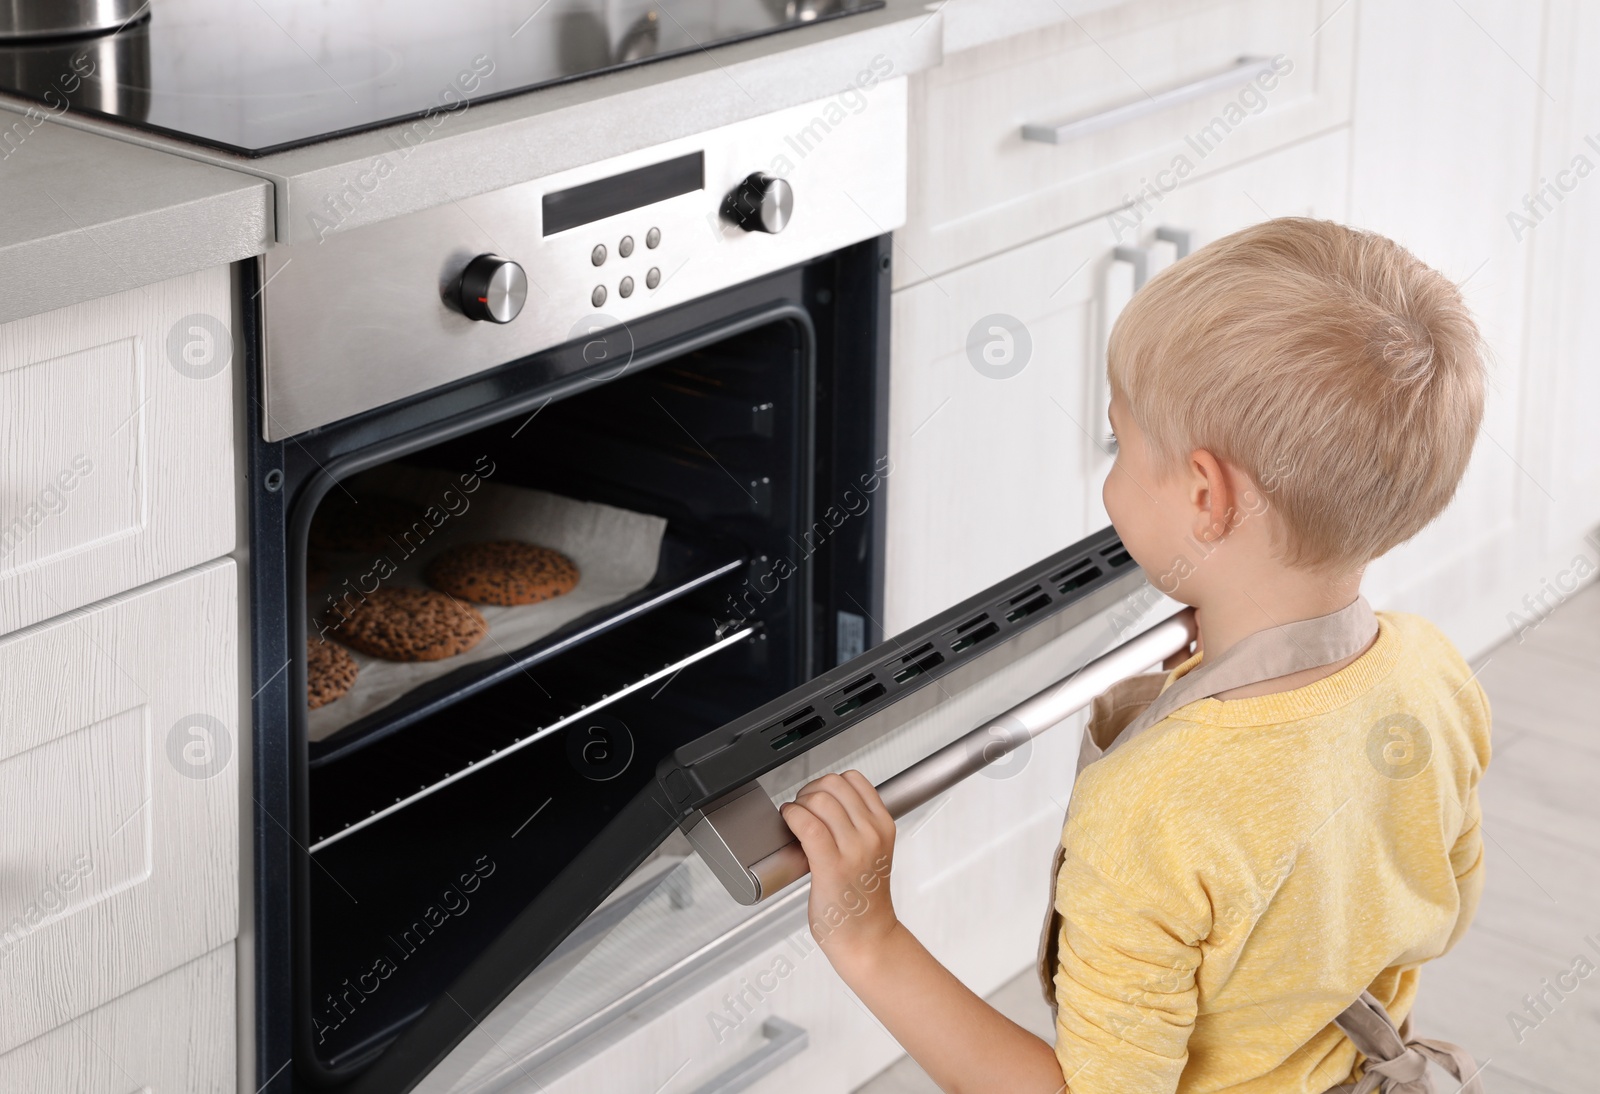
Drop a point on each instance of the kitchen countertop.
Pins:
(86, 216)
(102, 207)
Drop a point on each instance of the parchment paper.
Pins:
(616, 552)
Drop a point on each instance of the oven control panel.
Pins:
(623, 266)
(399, 307)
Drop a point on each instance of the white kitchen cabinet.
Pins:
(988, 468)
(116, 453)
(977, 187)
(997, 464)
(118, 796)
(1560, 230)
(1446, 117)
(173, 1035)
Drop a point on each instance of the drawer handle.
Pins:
(1242, 72)
(744, 840)
(782, 1041)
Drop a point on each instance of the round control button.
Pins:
(625, 289)
(653, 278)
(492, 289)
(598, 255)
(761, 203)
(598, 297)
(652, 238)
(625, 248)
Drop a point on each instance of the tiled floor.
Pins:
(1541, 907)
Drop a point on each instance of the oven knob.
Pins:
(493, 288)
(761, 203)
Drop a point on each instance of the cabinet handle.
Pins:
(1099, 382)
(1138, 258)
(1242, 72)
(1182, 239)
(748, 819)
(782, 1041)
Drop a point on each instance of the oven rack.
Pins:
(427, 756)
(686, 564)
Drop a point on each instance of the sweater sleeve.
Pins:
(1124, 982)
(1466, 857)
(1466, 854)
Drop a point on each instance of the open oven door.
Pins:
(690, 859)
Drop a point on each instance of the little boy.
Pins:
(1291, 828)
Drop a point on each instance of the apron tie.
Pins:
(1396, 1062)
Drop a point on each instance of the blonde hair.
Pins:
(1334, 367)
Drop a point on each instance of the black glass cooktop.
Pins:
(259, 76)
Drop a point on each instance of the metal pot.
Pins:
(60, 18)
(107, 74)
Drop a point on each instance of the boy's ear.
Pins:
(1211, 496)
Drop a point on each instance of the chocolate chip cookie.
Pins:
(504, 572)
(330, 672)
(399, 624)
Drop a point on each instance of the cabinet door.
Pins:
(174, 1035)
(988, 378)
(1157, 92)
(1561, 367)
(116, 444)
(118, 797)
(997, 381)
(1447, 119)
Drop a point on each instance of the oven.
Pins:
(673, 368)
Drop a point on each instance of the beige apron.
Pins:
(1396, 1063)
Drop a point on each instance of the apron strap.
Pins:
(1396, 1062)
(1266, 655)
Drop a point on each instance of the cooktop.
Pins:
(260, 76)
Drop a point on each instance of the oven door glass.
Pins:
(589, 951)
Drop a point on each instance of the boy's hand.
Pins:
(848, 838)
(961, 1041)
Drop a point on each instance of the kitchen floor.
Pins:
(1538, 928)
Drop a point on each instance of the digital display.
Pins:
(606, 197)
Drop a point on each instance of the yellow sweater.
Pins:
(1237, 874)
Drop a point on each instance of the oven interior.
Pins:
(435, 820)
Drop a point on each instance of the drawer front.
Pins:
(174, 1035)
(118, 797)
(978, 187)
(116, 444)
(722, 1034)
(997, 381)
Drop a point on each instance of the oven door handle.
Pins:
(744, 839)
